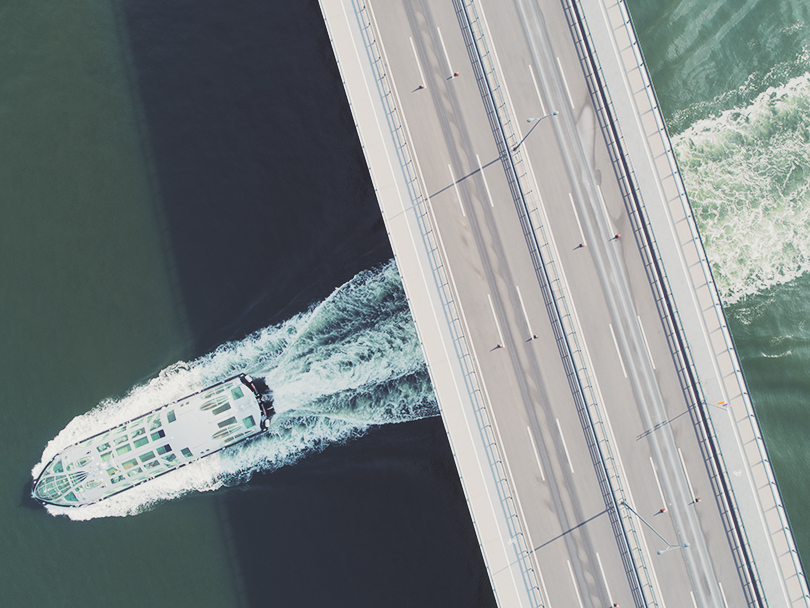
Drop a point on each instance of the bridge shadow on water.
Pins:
(265, 203)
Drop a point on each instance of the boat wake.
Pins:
(350, 362)
(747, 172)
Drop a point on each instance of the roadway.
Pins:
(636, 384)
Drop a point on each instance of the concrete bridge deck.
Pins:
(594, 402)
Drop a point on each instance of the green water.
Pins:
(86, 298)
(733, 80)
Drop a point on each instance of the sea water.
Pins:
(350, 362)
(733, 80)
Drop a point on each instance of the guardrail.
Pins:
(716, 302)
(664, 298)
(452, 310)
(563, 322)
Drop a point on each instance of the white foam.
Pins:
(747, 173)
(350, 362)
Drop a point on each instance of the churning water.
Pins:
(350, 362)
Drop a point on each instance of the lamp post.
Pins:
(536, 121)
(670, 546)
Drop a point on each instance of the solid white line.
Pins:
(446, 56)
(565, 82)
(576, 215)
(484, 177)
(418, 65)
(497, 325)
(604, 209)
(685, 472)
(604, 578)
(658, 483)
(644, 335)
(565, 447)
(525, 316)
(537, 90)
(723, 594)
(616, 344)
(536, 455)
(571, 570)
(455, 187)
(694, 603)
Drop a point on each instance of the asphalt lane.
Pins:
(542, 433)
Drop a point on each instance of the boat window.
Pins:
(237, 393)
(147, 456)
(103, 446)
(170, 416)
(117, 479)
(112, 471)
(120, 430)
(140, 442)
(129, 464)
(57, 468)
(123, 449)
(93, 483)
(151, 465)
(106, 456)
(164, 449)
(157, 435)
(227, 422)
(138, 432)
(156, 423)
(186, 452)
(170, 458)
(222, 408)
(134, 472)
(249, 422)
(120, 440)
(71, 497)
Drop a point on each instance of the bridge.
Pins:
(596, 409)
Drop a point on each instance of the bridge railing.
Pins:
(660, 283)
(563, 321)
(714, 292)
(453, 314)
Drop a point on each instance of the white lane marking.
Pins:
(536, 455)
(497, 325)
(418, 65)
(565, 82)
(576, 215)
(723, 594)
(604, 578)
(525, 316)
(537, 90)
(573, 580)
(616, 344)
(685, 472)
(658, 483)
(694, 603)
(565, 447)
(484, 177)
(604, 209)
(644, 335)
(446, 56)
(455, 187)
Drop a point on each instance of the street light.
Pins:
(534, 120)
(670, 546)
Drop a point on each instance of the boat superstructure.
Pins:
(169, 437)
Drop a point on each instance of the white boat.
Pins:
(159, 442)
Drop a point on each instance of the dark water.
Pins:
(179, 175)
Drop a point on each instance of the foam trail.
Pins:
(350, 362)
(748, 176)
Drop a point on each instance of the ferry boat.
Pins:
(158, 442)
